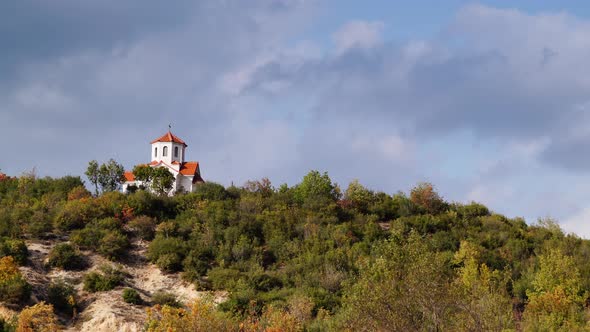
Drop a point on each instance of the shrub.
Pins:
(39, 225)
(103, 236)
(62, 296)
(73, 215)
(39, 317)
(78, 193)
(15, 248)
(201, 315)
(8, 325)
(165, 298)
(113, 245)
(167, 253)
(14, 288)
(144, 227)
(130, 295)
(224, 278)
(210, 191)
(67, 257)
(87, 238)
(109, 278)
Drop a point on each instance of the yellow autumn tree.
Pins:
(13, 287)
(556, 300)
(200, 315)
(38, 318)
(482, 298)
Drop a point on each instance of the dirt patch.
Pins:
(108, 312)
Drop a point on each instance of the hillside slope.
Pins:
(259, 258)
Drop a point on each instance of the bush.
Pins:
(8, 325)
(226, 279)
(14, 288)
(200, 315)
(39, 317)
(87, 238)
(62, 296)
(165, 298)
(15, 248)
(66, 256)
(73, 215)
(103, 236)
(167, 253)
(113, 245)
(130, 295)
(107, 279)
(144, 227)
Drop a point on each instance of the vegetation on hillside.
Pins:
(308, 257)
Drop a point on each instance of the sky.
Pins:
(488, 100)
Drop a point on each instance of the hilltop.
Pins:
(309, 257)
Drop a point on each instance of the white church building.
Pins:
(169, 151)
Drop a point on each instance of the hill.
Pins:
(255, 258)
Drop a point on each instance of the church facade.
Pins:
(169, 151)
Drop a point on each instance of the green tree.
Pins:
(162, 181)
(556, 300)
(92, 174)
(316, 186)
(405, 288)
(143, 173)
(481, 292)
(110, 176)
(359, 196)
(159, 179)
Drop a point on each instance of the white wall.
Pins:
(170, 156)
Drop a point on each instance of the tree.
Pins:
(405, 288)
(359, 196)
(484, 302)
(200, 315)
(162, 180)
(143, 173)
(92, 174)
(556, 300)
(316, 186)
(159, 179)
(13, 287)
(424, 196)
(39, 317)
(110, 176)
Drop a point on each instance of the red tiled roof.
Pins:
(169, 137)
(192, 168)
(189, 168)
(129, 177)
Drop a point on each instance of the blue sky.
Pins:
(487, 100)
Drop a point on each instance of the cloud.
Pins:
(358, 34)
(485, 109)
(578, 223)
(114, 79)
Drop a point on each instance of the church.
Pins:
(169, 151)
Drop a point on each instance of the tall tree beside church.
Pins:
(159, 179)
(110, 175)
(143, 173)
(162, 180)
(92, 174)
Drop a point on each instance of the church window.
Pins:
(155, 152)
(176, 151)
(165, 151)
